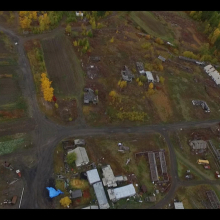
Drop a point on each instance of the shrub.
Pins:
(96, 91)
(56, 105)
(71, 157)
(143, 78)
(159, 41)
(189, 54)
(70, 119)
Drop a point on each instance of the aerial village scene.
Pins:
(109, 109)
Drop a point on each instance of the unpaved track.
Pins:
(48, 134)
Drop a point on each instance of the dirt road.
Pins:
(47, 134)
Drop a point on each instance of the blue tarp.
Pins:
(53, 192)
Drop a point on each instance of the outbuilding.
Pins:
(93, 176)
(81, 156)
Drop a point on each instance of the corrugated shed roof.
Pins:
(178, 205)
(100, 195)
(149, 75)
(93, 176)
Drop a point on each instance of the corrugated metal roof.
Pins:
(100, 195)
(149, 75)
(81, 156)
(122, 192)
(93, 176)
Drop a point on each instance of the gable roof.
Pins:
(81, 156)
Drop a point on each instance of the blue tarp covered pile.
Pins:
(53, 192)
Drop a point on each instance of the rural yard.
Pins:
(109, 110)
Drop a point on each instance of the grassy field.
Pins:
(151, 25)
(12, 104)
(9, 144)
(104, 150)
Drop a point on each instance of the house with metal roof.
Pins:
(198, 144)
(81, 156)
(93, 176)
(178, 205)
(121, 192)
(149, 76)
(100, 195)
(211, 71)
(126, 74)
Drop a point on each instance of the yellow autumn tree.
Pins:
(68, 28)
(215, 35)
(112, 40)
(151, 85)
(25, 22)
(34, 15)
(65, 202)
(113, 94)
(44, 22)
(161, 79)
(46, 88)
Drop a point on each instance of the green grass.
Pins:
(149, 24)
(9, 144)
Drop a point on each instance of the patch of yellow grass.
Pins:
(87, 109)
(162, 104)
(79, 184)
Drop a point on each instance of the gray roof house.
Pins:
(126, 74)
(93, 176)
(198, 144)
(89, 96)
(76, 194)
(81, 156)
(100, 195)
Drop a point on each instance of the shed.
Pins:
(121, 192)
(79, 142)
(79, 13)
(151, 199)
(162, 58)
(149, 76)
(76, 194)
(198, 144)
(81, 156)
(178, 205)
(93, 176)
(100, 195)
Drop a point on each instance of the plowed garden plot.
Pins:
(64, 73)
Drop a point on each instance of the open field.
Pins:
(12, 104)
(189, 159)
(103, 151)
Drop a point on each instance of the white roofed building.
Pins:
(93, 176)
(81, 156)
(121, 192)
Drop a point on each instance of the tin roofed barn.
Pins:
(81, 156)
